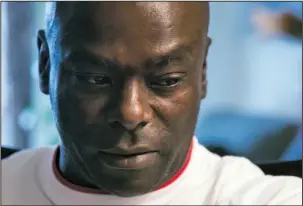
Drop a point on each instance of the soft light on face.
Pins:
(127, 105)
(158, 12)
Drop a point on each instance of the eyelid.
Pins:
(171, 75)
(179, 79)
(91, 75)
(88, 78)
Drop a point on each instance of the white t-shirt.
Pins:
(28, 178)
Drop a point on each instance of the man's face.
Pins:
(125, 84)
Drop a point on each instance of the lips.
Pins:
(126, 154)
(128, 159)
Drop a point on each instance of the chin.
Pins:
(127, 183)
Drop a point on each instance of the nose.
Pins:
(132, 110)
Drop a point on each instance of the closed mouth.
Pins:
(126, 155)
(133, 161)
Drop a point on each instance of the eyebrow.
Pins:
(83, 55)
(180, 53)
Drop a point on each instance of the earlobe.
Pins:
(43, 62)
(204, 69)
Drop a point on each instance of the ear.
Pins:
(43, 62)
(204, 68)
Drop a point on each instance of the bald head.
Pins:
(107, 21)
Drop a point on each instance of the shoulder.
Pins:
(23, 159)
(242, 182)
(19, 175)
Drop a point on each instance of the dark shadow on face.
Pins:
(125, 82)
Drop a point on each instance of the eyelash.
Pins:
(176, 81)
(87, 77)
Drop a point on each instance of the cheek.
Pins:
(71, 109)
(181, 110)
(79, 109)
(179, 115)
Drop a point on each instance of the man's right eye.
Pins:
(94, 80)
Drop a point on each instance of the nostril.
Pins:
(115, 124)
(142, 124)
(118, 125)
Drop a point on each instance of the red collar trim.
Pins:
(72, 186)
(181, 171)
(66, 182)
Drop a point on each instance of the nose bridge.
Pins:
(132, 109)
(131, 101)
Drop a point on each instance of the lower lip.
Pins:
(139, 161)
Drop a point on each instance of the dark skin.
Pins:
(124, 78)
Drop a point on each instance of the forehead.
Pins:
(141, 29)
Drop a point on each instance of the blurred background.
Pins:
(254, 102)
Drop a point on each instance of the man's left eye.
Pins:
(168, 82)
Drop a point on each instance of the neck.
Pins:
(63, 167)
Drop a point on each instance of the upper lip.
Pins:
(128, 152)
